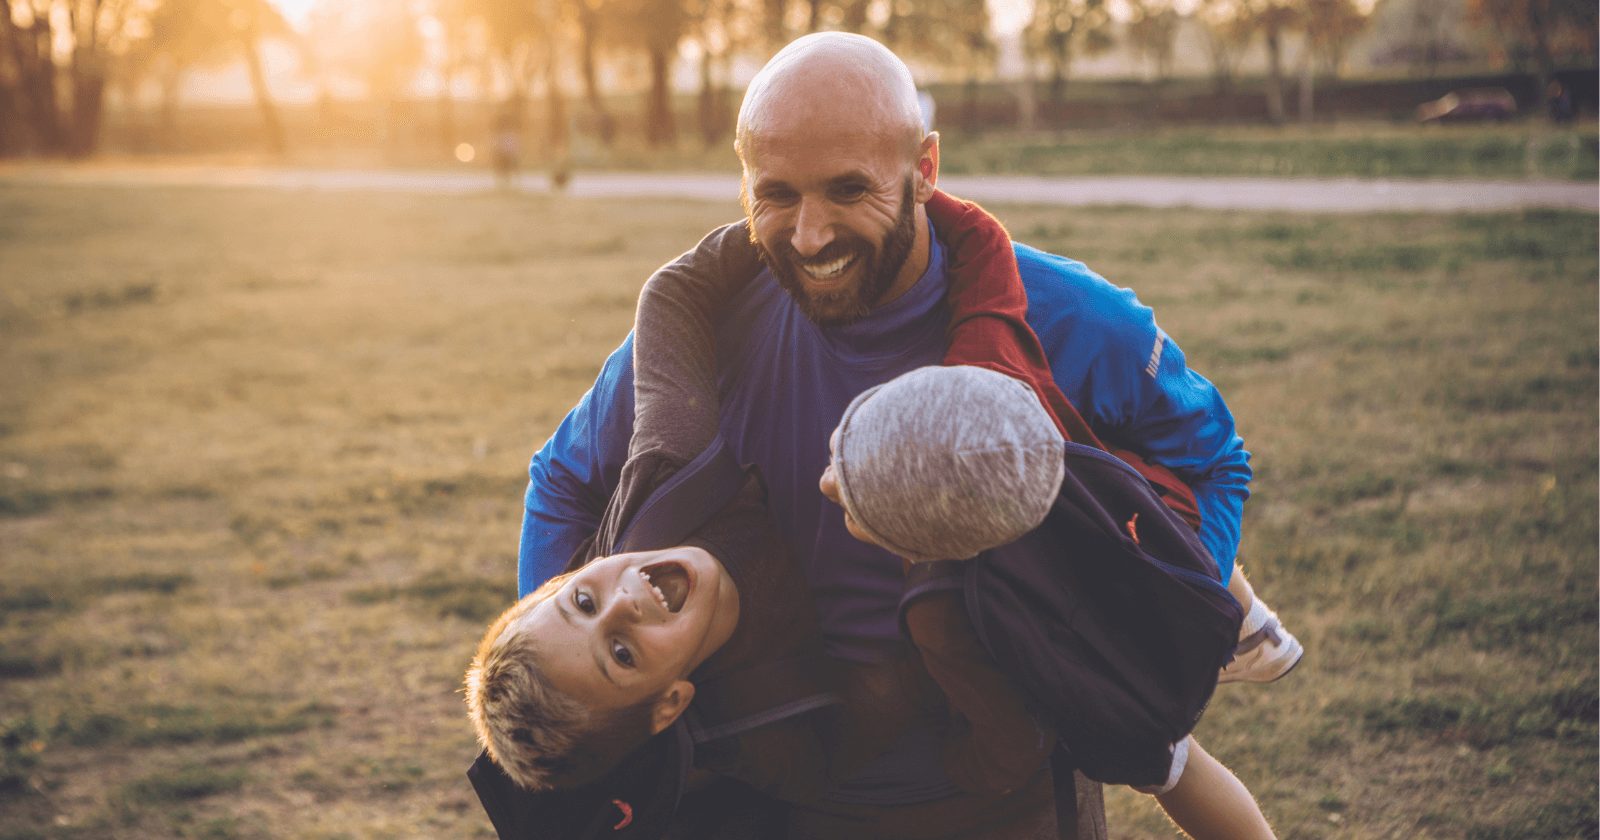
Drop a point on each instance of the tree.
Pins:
(1227, 35)
(250, 22)
(1151, 30)
(1330, 26)
(722, 28)
(1274, 19)
(1065, 29)
(589, 15)
(56, 59)
(950, 33)
(1551, 31)
(656, 27)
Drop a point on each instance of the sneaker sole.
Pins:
(1249, 677)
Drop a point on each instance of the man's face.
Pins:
(833, 215)
(625, 628)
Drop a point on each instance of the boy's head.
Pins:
(944, 462)
(587, 667)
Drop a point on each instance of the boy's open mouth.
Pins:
(671, 580)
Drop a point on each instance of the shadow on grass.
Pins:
(162, 724)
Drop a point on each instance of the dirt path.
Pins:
(1345, 195)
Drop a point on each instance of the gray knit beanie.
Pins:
(945, 462)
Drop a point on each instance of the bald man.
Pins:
(837, 168)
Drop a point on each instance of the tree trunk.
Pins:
(814, 19)
(1308, 80)
(88, 105)
(258, 84)
(1538, 25)
(710, 117)
(588, 23)
(1275, 110)
(1060, 62)
(659, 127)
(36, 72)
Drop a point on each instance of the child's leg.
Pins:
(1210, 802)
(1266, 651)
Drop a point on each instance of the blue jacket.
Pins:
(785, 382)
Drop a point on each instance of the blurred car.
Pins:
(1470, 105)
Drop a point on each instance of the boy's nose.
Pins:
(624, 605)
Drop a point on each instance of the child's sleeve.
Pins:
(674, 369)
(674, 343)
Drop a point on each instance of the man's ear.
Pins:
(670, 705)
(927, 167)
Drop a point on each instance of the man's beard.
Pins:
(878, 265)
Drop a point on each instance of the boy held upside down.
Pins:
(676, 416)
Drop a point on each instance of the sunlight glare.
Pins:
(465, 153)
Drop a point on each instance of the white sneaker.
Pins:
(1267, 655)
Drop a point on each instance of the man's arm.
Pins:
(1130, 381)
(1179, 420)
(572, 477)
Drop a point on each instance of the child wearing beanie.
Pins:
(944, 463)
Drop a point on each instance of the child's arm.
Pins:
(674, 368)
(1003, 743)
(674, 343)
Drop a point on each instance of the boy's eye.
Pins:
(583, 602)
(620, 652)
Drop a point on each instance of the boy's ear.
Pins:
(670, 705)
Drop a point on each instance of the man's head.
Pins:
(837, 168)
(944, 462)
(581, 671)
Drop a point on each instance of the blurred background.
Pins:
(596, 84)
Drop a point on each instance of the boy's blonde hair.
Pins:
(539, 735)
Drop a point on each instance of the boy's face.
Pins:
(829, 485)
(631, 627)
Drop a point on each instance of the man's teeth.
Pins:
(828, 270)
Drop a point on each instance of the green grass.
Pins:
(1360, 150)
(256, 517)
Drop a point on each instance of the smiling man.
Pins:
(837, 170)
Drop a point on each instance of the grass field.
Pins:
(1529, 148)
(261, 457)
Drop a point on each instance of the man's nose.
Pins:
(813, 228)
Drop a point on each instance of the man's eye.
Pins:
(583, 602)
(848, 192)
(620, 652)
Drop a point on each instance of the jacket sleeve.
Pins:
(571, 478)
(1144, 397)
